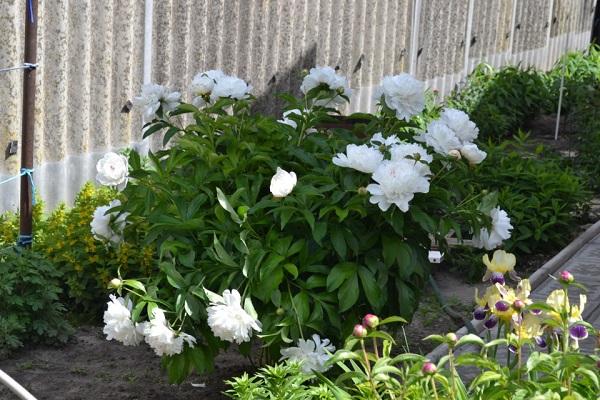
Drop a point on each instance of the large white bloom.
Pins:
(397, 183)
(112, 170)
(118, 324)
(108, 226)
(289, 121)
(440, 137)
(153, 97)
(203, 84)
(327, 76)
(283, 182)
(501, 228)
(162, 339)
(403, 94)
(230, 86)
(312, 353)
(228, 320)
(362, 158)
(459, 122)
(379, 140)
(472, 153)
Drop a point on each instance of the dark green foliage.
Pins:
(500, 101)
(29, 300)
(541, 195)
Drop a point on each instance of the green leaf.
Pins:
(132, 283)
(340, 273)
(371, 288)
(348, 293)
(470, 339)
(392, 319)
(292, 269)
(338, 241)
(227, 206)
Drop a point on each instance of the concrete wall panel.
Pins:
(91, 55)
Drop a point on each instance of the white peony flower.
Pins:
(153, 97)
(397, 183)
(327, 76)
(379, 140)
(472, 153)
(109, 226)
(403, 150)
(161, 338)
(312, 354)
(362, 158)
(230, 86)
(283, 182)
(501, 228)
(112, 170)
(440, 137)
(459, 122)
(403, 94)
(289, 121)
(228, 320)
(203, 84)
(118, 324)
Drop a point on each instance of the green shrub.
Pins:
(31, 312)
(543, 197)
(500, 101)
(64, 238)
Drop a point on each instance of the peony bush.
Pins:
(283, 229)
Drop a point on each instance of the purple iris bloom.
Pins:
(479, 313)
(541, 342)
(536, 311)
(497, 277)
(491, 322)
(502, 306)
(578, 332)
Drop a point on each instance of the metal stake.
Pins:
(28, 123)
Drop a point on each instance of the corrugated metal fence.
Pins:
(94, 56)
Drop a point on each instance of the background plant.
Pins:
(86, 265)
(499, 101)
(30, 286)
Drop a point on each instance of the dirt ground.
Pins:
(90, 367)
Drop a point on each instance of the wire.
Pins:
(28, 66)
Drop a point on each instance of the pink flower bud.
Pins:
(452, 337)
(429, 368)
(566, 277)
(518, 305)
(371, 321)
(359, 331)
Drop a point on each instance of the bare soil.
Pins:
(92, 368)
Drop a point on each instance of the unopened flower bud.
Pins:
(359, 331)
(452, 337)
(115, 283)
(455, 154)
(518, 304)
(280, 311)
(362, 191)
(429, 368)
(242, 211)
(566, 277)
(371, 321)
(484, 192)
